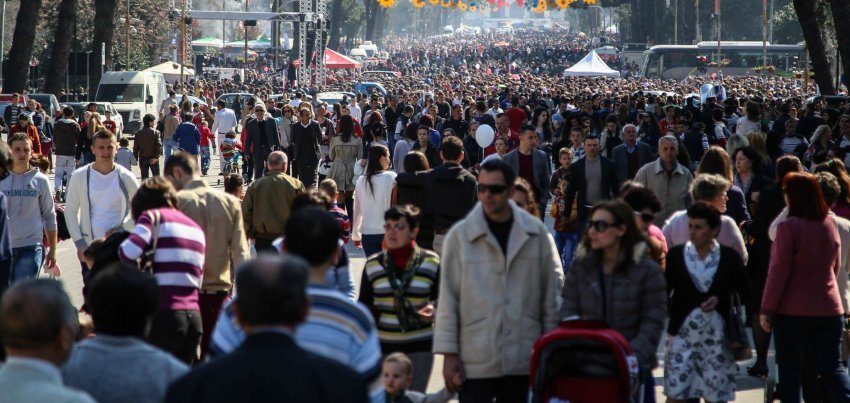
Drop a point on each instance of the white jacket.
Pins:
(78, 208)
(370, 204)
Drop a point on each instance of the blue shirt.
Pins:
(188, 138)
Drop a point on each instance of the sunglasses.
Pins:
(492, 189)
(646, 217)
(259, 111)
(600, 225)
(397, 226)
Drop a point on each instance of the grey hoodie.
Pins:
(31, 210)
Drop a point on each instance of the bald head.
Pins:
(277, 161)
(38, 320)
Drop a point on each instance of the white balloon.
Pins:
(484, 135)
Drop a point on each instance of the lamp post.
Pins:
(127, 36)
(183, 46)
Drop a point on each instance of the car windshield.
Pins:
(120, 93)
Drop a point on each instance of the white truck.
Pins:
(133, 94)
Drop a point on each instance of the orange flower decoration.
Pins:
(461, 6)
(418, 3)
(386, 3)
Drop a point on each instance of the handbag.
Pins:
(146, 260)
(736, 332)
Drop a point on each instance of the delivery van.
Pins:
(134, 94)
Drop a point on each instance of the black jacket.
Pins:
(269, 367)
(452, 193)
(253, 138)
(410, 189)
(578, 185)
(306, 137)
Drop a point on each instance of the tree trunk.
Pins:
(337, 19)
(371, 14)
(104, 32)
(380, 23)
(841, 14)
(17, 68)
(807, 15)
(55, 79)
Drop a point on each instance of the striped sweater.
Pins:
(178, 260)
(376, 293)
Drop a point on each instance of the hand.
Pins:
(109, 232)
(358, 244)
(154, 161)
(453, 375)
(427, 313)
(764, 321)
(80, 255)
(709, 304)
(50, 259)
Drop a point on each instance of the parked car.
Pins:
(102, 107)
(49, 103)
(228, 98)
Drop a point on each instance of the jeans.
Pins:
(170, 147)
(205, 159)
(65, 166)
(145, 166)
(372, 243)
(820, 338)
(177, 332)
(566, 242)
(507, 389)
(25, 262)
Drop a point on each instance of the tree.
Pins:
(104, 32)
(808, 17)
(17, 68)
(841, 14)
(54, 80)
(337, 17)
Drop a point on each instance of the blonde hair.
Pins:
(758, 141)
(94, 125)
(400, 358)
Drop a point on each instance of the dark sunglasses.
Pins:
(493, 189)
(600, 225)
(646, 217)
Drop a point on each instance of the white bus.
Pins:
(737, 59)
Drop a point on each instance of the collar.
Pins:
(50, 371)
(273, 329)
(195, 184)
(659, 167)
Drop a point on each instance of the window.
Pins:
(120, 93)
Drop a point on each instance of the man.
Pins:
(169, 126)
(109, 123)
(296, 101)
(147, 147)
(220, 216)
(516, 115)
(306, 153)
(118, 365)
(532, 165)
(456, 122)
(670, 181)
(265, 208)
(261, 139)
(269, 366)
(592, 179)
(443, 107)
(164, 107)
(486, 331)
(66, 133)
(99, 197)
(336, 327)
(451, 190)
(13, 110)
(39, 327)
(225, 121)
(631, 155)
(503, 131)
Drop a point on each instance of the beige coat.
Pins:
(673, 191)
(493, 308)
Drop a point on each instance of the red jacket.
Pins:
(804, 263)
(32, 131)
(206, 136)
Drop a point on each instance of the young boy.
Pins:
(329, 187)
(125, 157)
(229, 147)
(565, 158)
(398, 375)
(207, 139)
(566, 224)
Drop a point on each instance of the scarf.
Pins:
(702, 271)
(400, 279)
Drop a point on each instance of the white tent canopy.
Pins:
(591, 66)
(171, 70)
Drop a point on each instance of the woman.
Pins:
(501, 145)
(285, 126)
(177, 258)
(372, 197)
(748, 177)
(234, 185)
(752, 120)
(769, 205)
(24, 125)
(188, 137)
(345, 150)
(702, 277)
(425, 146)
(716, 161)
(410, 190)
(543, 125)
(400, 287)
(404, 146)
(524, 197)
(801, 302)
(646, 205)
(85, 142)
(649, 130)
(375, 131)
(821, 141)
(735, 142)
(610, 137)
(834, 166)
(618, 283)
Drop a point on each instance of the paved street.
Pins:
(750, 389)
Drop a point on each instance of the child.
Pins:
(329, 187)
(230, 146)
(398, 375)
(565, 158)
(125, 156)
(207, 139)
(566, 224)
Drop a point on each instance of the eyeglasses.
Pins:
(397, 226)
(492, 189)
(600, 225)
(259, 110)
(646, 217)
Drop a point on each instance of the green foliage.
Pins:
(786, 27)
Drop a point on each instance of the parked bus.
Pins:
(736, 59)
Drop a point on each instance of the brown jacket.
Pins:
(266, 205)
(220, 216)
(147, 144)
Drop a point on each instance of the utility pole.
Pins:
(245, 25)
(675, 22)
(127, 37)
(183, 47)
(763, 35)
(696, 23)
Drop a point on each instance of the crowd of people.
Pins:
(669, 216)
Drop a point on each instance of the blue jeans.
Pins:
(205, 159)
(820, 337)
(372, 243)
(566, 243)
(170, 147)
(25, 262)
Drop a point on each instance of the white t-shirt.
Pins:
(105, 198)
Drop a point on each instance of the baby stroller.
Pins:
(231, 165)
(584, 362)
